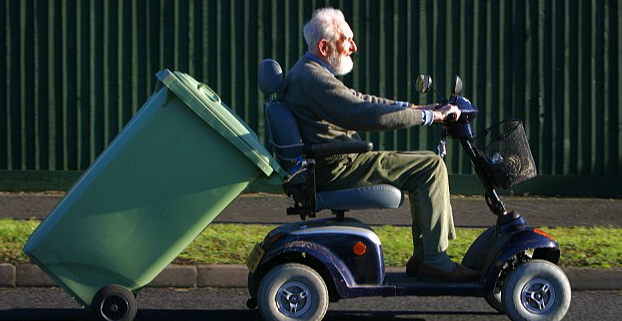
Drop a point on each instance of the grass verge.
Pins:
(230, 244)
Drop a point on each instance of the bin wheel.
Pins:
(536, 290)
(292, 292)
(114, 303)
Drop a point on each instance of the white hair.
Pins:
(324, 24)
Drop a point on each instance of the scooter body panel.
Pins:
(331, 243)
(341, 276)
(496, 246)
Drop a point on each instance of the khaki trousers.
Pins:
(420, 173)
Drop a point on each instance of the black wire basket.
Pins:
(506, 153)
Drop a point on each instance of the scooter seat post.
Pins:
(339, 215)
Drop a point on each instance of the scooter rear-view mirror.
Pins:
(457, 85)
(424, 83)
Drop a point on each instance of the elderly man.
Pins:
(328, 111)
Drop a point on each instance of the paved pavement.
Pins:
(468, 211)
(270, 209)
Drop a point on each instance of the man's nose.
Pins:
(353, 47)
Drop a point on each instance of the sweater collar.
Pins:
(318, 60)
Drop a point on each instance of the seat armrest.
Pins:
(328, 149)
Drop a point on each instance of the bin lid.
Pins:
(208, 106)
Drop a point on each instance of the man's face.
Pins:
(340, 58)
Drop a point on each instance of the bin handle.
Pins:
(209, 92)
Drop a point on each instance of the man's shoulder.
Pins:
(310, 77)
(309, 69)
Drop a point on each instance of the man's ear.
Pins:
(324, 48)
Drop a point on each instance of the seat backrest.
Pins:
(285, 140)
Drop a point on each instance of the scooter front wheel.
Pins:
(292, 291)
(494, 300)
(536, 290)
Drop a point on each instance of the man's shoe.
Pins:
(460, 273)
(412, 266)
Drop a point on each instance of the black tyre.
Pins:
(494, 300)
(114, 303)
(536, 290)
(292, 292)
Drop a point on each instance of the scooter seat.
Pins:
(286, 144)
(369, 197)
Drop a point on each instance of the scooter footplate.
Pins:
(408, 285)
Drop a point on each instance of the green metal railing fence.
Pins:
(73, 72)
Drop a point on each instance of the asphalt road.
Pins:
(468, 211)
(157, 304)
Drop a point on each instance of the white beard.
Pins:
(341, 66)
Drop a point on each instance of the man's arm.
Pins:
(346, 108)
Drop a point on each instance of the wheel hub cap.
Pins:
(538, 296)
(293, 299)
(115, 308)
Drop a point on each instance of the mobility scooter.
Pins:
(300, 267)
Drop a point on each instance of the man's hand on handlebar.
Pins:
(446, 113)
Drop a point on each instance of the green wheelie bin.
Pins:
(181, 160)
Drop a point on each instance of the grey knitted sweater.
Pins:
(327, 110)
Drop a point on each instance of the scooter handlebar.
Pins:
(450, 118)
(468, 112)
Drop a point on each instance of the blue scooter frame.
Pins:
(347, 255)
(327, 246)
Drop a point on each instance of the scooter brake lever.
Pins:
(441, 148)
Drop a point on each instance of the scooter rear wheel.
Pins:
(292, 291)
(536, 290)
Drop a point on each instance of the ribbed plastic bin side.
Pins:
(174, 168)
